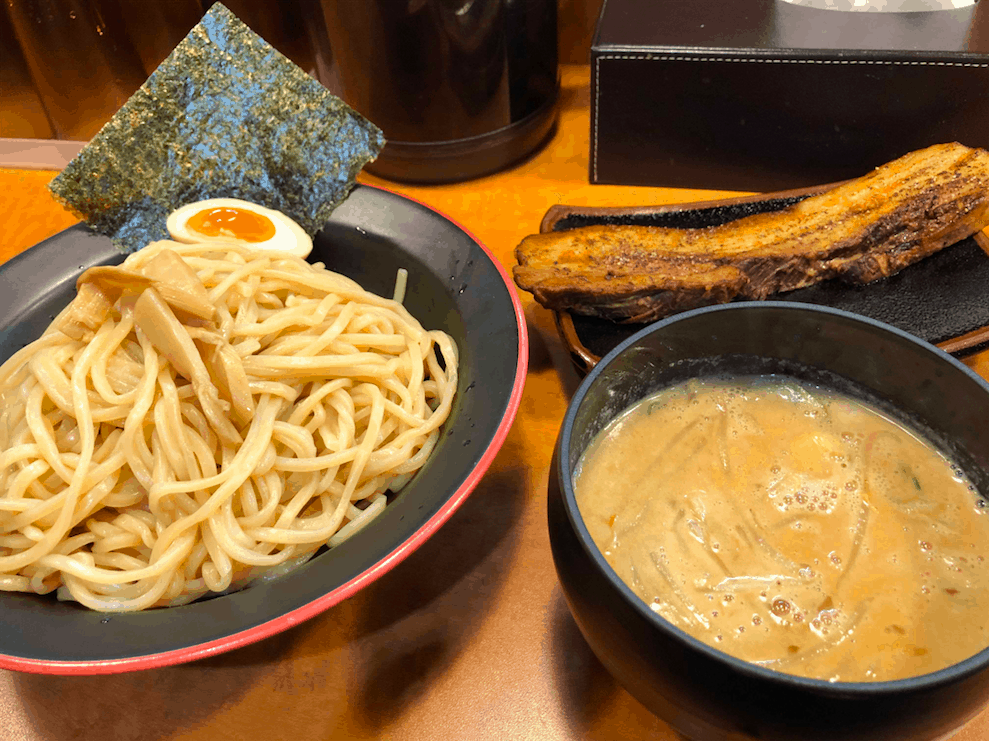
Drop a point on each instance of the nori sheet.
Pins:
(225, 115)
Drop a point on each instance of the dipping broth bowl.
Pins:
(704, 693)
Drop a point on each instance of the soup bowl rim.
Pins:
(952, 673)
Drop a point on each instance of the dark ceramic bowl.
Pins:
(454, 284)
(700, 691)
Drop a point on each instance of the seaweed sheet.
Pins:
(225, 115)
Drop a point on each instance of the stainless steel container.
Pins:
(77, 61)
(460, 88)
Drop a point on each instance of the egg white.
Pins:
(289, 237)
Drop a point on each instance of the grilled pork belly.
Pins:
(859, 231)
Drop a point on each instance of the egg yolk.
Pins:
(232, 222)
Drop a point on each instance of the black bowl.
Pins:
(454, 284)
(705, 693)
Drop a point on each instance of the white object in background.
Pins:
(38, 154)
(885, 6)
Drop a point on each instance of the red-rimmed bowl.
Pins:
(454, 284)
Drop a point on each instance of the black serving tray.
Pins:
(943, 299)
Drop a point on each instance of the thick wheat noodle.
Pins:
(116, 491)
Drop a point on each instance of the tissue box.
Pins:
(763, 95)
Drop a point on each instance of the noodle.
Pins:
(155, 447)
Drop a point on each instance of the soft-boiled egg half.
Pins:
(234, 221)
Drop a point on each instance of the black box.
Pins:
(766, 94)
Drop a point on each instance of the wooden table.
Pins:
(470, 637)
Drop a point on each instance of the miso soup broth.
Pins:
(792, 527)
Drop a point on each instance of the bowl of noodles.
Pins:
(171, 495)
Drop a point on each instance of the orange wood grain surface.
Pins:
(470, 637)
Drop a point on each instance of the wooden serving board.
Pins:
(943, 299)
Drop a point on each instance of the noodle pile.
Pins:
(141, 467)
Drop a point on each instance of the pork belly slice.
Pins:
(860, 231)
